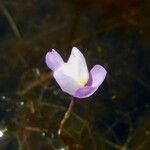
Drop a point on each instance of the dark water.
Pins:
(113, 33)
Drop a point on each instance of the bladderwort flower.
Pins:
(73, 76)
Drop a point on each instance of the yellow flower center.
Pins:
(83, 80)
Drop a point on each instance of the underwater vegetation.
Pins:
(113, 33)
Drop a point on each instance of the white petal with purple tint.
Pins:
(66, 79)
(78, 68)
(98, 74)
(53, 60)
(85, 92)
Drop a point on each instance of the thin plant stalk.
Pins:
(10, 20)
(66, 116)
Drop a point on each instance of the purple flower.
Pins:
(73, 76)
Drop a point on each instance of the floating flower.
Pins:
(73, 76)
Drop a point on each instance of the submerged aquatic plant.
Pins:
(73, 76)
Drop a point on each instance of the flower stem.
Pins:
(66, 116)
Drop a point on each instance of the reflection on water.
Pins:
(112, 33)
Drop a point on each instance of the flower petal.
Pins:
(78, 66)
(85, 92)
(67, 83)
(53, 60)
(97, 76)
